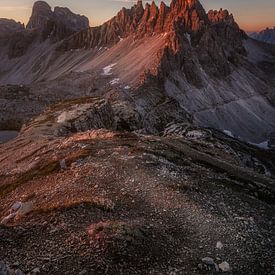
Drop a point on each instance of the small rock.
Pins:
(208, 261)
(25, 208)
(83, 272)
(16, 264)
(219, 245)
(35, 271)
(224, 266)
(3, 268)
(16, 206)
(216, 267)
(8, 218)
(63, 164)
(18, 272)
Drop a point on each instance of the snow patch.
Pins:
(228, 133)
(62, 118)
(195, 134)
(114, 81)
(263, 145)
(108, 69)
(188, 37)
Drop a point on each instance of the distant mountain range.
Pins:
(267, 35)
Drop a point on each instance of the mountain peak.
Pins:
(58, 23)
(41, 13)
(220, 15)
(41, 6)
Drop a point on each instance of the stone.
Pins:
(18, 272)
(63, 164)
(35, 271)
(224, 266)
(8, 218)
(16, 206)
(25, 208)
(208, 261)
(219, 245)
(16, 264)
(3, 268)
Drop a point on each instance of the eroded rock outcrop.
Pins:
(72, 116)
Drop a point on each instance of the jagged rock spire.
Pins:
(41, 13)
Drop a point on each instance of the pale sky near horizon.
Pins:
(251, 15)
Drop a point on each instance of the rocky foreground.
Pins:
(80, 197)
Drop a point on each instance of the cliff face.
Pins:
(41, 13)
(8, 25)
(143, 21)
(56, 24)
(44, 24)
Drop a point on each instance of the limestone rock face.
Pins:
(19, 42)
(10, 29)
(142, 21)
(41, 13)
(8, 25)
(43, 24)
(57, 24)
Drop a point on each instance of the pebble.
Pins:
(25, 208)
(16, 264)
(35, 271)
(18, 272)
(3, 268)
(224, 266)
(63, 164)
(219, 245)
(16, 206)
(208, 261)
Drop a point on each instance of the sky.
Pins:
(251, 15)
